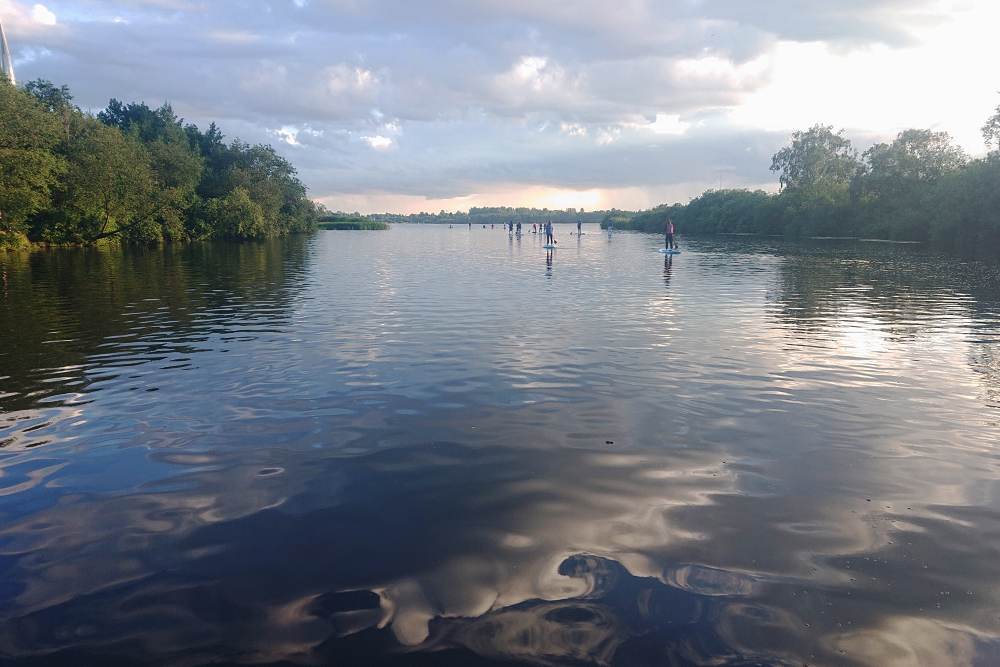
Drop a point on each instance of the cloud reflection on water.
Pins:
(427, 463)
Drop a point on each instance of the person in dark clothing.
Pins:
(670, 235)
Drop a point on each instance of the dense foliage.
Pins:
(919, 187)
(132, 173)
(353, 222)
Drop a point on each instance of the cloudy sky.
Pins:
(417, 105)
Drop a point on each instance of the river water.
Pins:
(436, 446)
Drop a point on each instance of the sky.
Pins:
(410, 105)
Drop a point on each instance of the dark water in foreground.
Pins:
(432, 446)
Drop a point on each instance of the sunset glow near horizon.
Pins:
(408, 107)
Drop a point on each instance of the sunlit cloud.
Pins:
(43, 15)
(573, 129)
(557, 99)
(289, 135)
(882, 90)
(378, 142)
(667, 124)
(713, 67)
(590, 199)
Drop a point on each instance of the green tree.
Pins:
(237, 215)
(111, 187)
(816, 170)
(28, 166)
(58, 103)
(175, 172)
(914, 156)
(51, 98)
(135, 174)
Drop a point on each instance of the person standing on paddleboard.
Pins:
(579, 227)
(549, 238)
(670, 235)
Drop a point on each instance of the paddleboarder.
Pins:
(670, 235)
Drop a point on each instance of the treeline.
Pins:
(919, 187)
(354, 222)
(493, 215)
(133, 174)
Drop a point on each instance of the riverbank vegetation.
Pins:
(352, 222)
(133, 174)
(918, 187)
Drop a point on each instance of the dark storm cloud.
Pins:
(443, 98)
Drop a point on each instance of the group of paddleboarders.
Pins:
(550, 239)
(510, 228)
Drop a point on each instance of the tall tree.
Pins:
(110, 184)
(913, 157)
(817, 168)
(28, 166)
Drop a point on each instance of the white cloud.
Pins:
(378, 142)
(936, 84)
(725, 71)
(289, 135)
(557, 96)
(43, 15)
(342, 79)
(667, 124)
(608, 135)
(562, 200)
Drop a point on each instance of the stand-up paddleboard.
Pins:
(548, 247)
(670, 252)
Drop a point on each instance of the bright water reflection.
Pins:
(447, 446)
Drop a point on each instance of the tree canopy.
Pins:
(134, 173)
(816, 169)
(918, 187)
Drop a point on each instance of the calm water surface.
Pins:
(436, 446)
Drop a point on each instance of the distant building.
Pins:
(6, 65)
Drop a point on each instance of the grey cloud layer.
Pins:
(456, 95)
